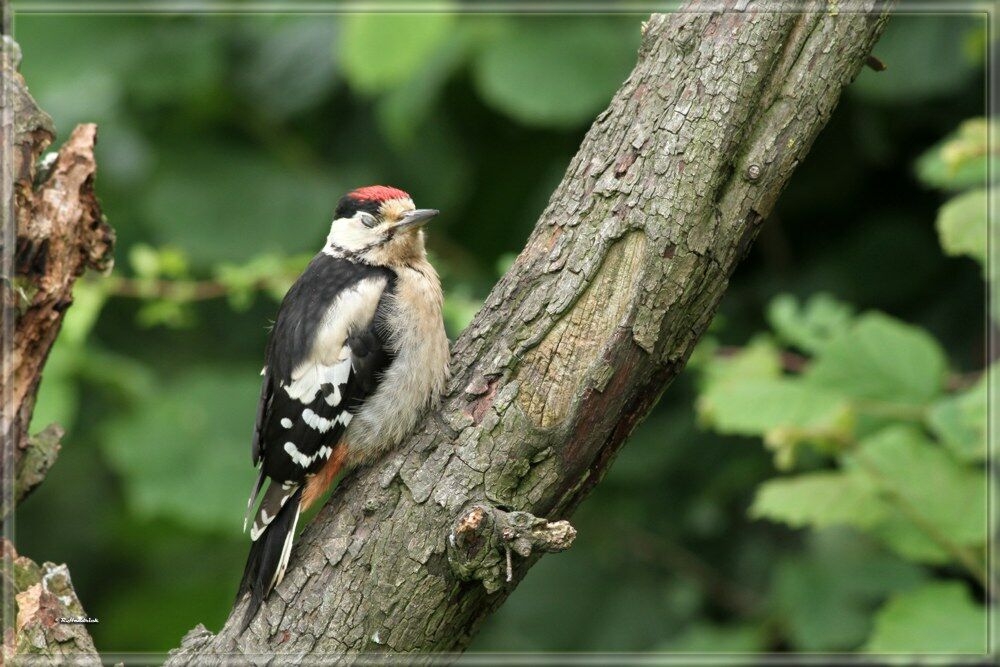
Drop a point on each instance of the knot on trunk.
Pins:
(483, 537)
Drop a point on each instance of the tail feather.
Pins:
(253, 497)
(269, 553)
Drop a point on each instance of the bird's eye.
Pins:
(367, 219)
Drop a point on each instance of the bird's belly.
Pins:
(414, 379)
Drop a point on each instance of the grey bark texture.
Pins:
(618, 281)
(600, 311)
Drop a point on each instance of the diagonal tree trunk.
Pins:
(601, 310)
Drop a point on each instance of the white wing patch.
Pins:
(329, 360)
(322, 424)
(340, 374)
(305, 460)
(309, 381)
(264, 519)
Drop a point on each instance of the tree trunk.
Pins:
(53, 230)
(601, 310)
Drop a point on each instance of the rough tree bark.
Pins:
(60, 233)
(601, 310)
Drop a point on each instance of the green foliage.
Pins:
(178, 456)
(236, 217)
(902, 458)
(58, 400)
(820, 499)
(939, 505)
(784, 411)
(960, 421)
(823, 598)
(962, 163)
(291, 67)
(961, 160)
(381, 51)
(879, 358)
(811, 326)
(961, 224)
(711, 638)
(939, 617)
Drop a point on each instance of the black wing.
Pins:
(290, 411)
(305, 407)
(326, 355)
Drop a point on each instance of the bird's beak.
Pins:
(416, 218)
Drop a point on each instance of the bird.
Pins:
(357, 352)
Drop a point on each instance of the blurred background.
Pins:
(815, 481)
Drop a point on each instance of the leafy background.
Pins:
(814, 482)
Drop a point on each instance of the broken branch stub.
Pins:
(483, 537)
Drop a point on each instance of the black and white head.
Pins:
(378, 225)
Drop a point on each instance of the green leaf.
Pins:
(900, 534)
(785, 412)
(962, 225)
(759, 359)
(184, 455)
(163, 312)
(961, 160)
(809, 326)
(556, 72)
(820, 499)
(939, 617)
(883, 359)
(960, 421)
(380, 51)
(144, 260)
(934, 494)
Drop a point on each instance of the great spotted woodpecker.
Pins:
(357, 351)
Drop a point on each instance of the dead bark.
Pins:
(53, 231)
(60, 232)
(601, 310)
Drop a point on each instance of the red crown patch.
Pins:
(378, 193)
